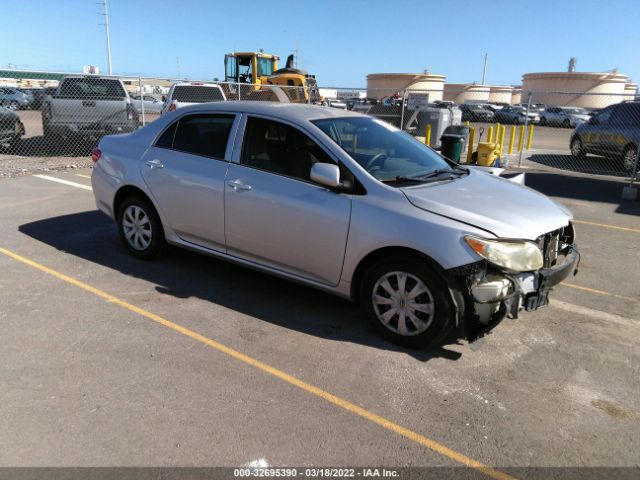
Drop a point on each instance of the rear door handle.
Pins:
(154, 164)
(238, 185)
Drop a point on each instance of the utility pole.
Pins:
(106, 31)
(484, 70)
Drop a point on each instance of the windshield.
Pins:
(387, 153)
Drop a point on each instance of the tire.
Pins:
(629, 158)
(543, 122)
(14, 143)
(566, 123)
(577, 148)
(136, 214)
(516, 121)
(12, 105)
(422, 328)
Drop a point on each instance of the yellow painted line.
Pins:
(604, 225)
(318, 392)
(83, 176)
(598, 292)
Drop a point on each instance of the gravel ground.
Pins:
(15, 165)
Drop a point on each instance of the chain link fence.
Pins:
(58, 126)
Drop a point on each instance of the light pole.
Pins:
(106, 31)
(484, 70)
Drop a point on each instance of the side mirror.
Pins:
(326, 174)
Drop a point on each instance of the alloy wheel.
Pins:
(629, 160)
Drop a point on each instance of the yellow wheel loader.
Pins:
(256, 77)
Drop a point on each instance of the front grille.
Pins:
(556, 245)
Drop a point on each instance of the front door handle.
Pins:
(154, 164)
(238, 185)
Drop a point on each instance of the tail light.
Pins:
(132, 113)
(172, 107)
(95, 154)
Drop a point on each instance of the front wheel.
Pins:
(629, 159)
(406, 301)
(140, 228)
(577, 149)
(566, 123)
(543, 122)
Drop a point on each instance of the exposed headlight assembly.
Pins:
(512, 255)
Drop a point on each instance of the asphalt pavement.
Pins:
(190, 361)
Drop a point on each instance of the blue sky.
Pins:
(339, 41)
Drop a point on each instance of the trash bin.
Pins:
(463, 130)
(452, 146)
(487, 154)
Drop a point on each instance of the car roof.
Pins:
(294, 112)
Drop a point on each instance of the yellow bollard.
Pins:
(503, 130)
(472, 137)
(427, 135)
(490, 135)
(521, 138)
(512, 139)
(498, 127)
(467, 123)
(530, 137)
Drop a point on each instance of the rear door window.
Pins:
(204, 134)
(196, 94)
(92, 88)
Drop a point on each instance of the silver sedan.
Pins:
(569, 117)
(342, 202)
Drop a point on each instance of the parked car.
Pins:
(343, 202)
(335, 103)
(14, 99)
(190, 93)
(151, 104)
(569, 117)
(475, 113)
(515, 115)
(88, 106)
(39, 95)
(11, 128)
(612, 132)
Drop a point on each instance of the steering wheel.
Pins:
(374, 160)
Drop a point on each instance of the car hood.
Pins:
(502, 207)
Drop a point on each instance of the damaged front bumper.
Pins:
(490, 294)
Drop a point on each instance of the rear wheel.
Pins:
(566, 123)
(577, 149)
(140, 228)
(629, 158)
(543, 122)
(406, 301)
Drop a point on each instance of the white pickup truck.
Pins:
(89, 106)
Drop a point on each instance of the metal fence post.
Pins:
(239, 95)
(404, 93)
(526, 123)
(141, 100)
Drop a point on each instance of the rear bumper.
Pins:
(93, 129)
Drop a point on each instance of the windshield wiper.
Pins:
(442, 171)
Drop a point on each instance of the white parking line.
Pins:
(64, 182)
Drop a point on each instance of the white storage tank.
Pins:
(460, 93)
(575, 89)
(380, 85)
(500, 94)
